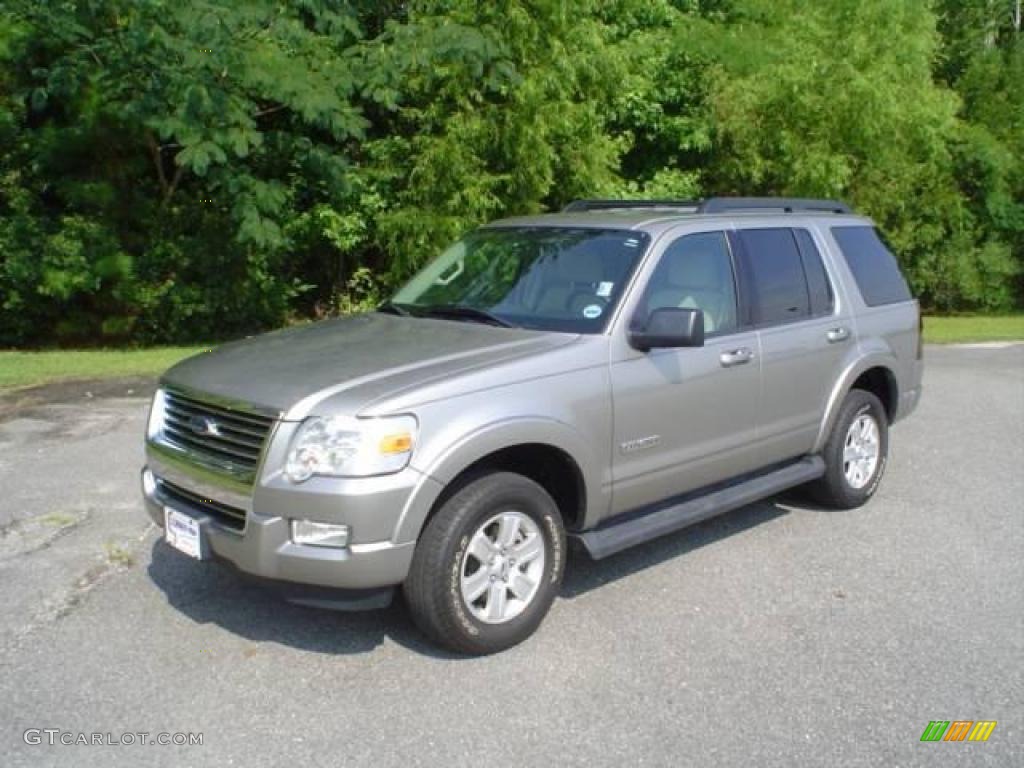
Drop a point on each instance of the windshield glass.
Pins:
(548, 278)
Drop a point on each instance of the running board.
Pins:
(636, 528)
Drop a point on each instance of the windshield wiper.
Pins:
(462, 312)
(393, 309)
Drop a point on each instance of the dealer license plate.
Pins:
(183, 533)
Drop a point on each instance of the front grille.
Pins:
(224, 434)
(185, 500)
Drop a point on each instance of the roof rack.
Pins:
(718, 205)
(576, 206)
(785, 204)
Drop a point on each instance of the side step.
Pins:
(632, 529)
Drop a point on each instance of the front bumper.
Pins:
(262, 545)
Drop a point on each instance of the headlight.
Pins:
(156, 415)
(346, 447)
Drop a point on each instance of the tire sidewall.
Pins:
(533, 501)
(858, 404)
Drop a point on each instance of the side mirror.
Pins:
(669, 327)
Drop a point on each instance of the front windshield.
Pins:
(548, 278)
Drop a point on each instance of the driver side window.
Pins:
(695, 272)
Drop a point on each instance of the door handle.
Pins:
(736, 357)
(836, 335)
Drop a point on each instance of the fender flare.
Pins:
(844, 384)
(484, 441)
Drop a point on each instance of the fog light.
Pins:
(319, 534)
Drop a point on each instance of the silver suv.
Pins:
(607, 374)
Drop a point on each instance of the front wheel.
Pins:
(488, 565)
(855, 454)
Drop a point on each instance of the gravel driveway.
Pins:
(779, 634)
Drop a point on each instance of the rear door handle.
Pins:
(736, 357)
(836, 335)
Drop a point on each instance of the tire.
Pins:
(842, 487)
(460, 551)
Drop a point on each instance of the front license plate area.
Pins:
(183, 533)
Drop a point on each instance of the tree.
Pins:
(810, 99)
(194, 170)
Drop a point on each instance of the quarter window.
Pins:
(775, 276)
(874, 267)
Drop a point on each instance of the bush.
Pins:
(196, 170)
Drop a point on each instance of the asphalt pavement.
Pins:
(778, 635)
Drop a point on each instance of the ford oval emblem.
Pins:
(203, 425)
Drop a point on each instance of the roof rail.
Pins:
(785, 204)
(717, 205)
(576, 206)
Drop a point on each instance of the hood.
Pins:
(363, 356)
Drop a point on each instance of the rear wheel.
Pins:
(488, 565)
(856, 453)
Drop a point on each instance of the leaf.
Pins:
(198, 157)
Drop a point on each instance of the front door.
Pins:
(685, 418)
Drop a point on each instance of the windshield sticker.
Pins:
(592, 311)
(604, 289)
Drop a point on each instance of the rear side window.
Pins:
(774, 276)
(818, 285)
(873, 265)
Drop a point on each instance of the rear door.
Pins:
(803, 335)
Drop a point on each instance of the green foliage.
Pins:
(361, 294)
(878, 135)
(191, 170)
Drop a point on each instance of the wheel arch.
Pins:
(548, 452)
(875, 374)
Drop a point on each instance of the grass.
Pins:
(118, 555)
(965, 328)
(58, 520)
(25, 369)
